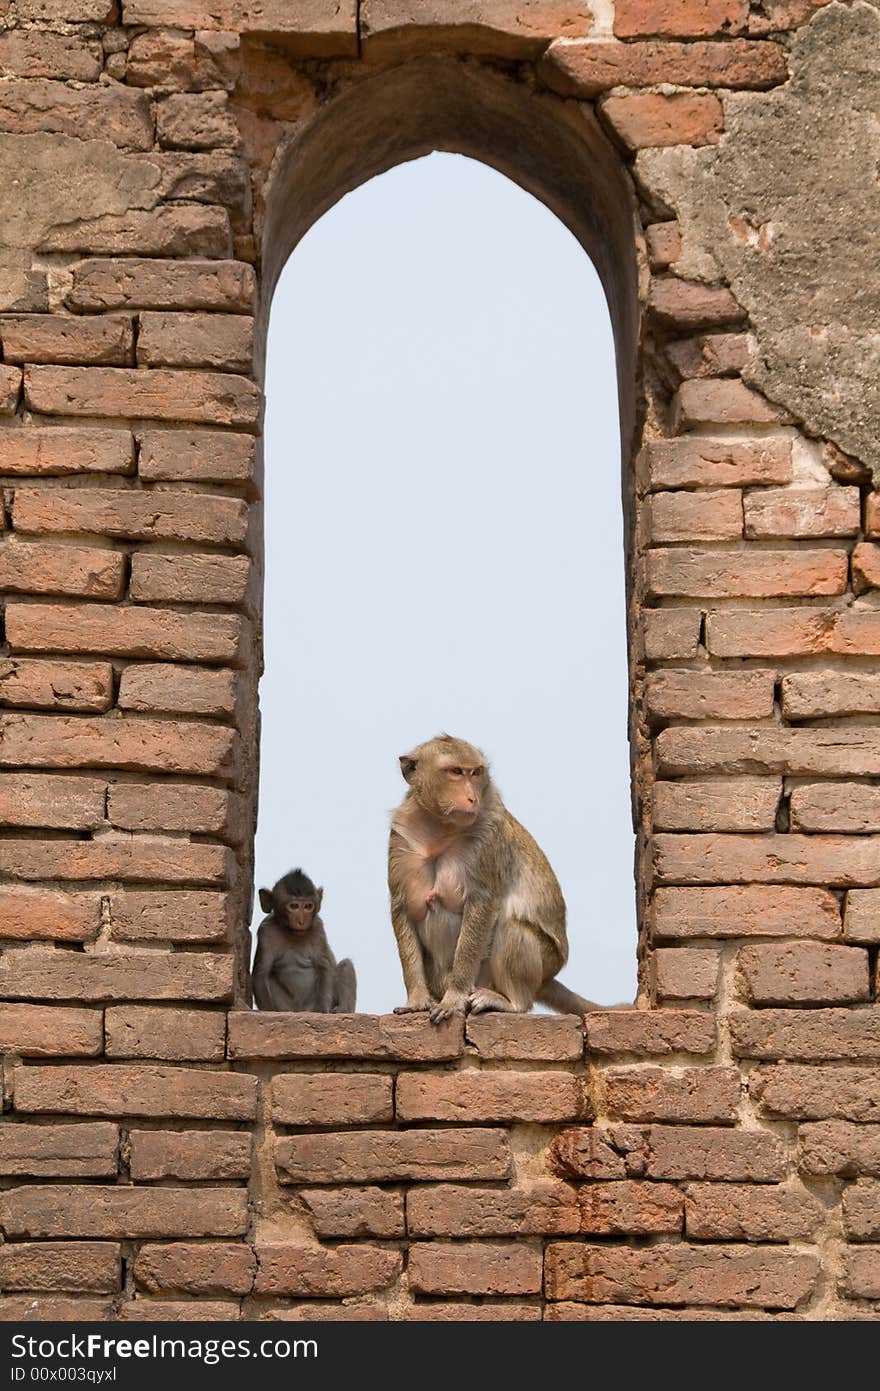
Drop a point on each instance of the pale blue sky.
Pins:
(444, 550)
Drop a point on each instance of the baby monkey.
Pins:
(294, 968)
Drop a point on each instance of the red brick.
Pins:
(700, 462)
(720, 804)
(663, 241)
(718, 695)
(799, 1092)
(112, 113)
(805, 1035)
(834, 861)
(671, 633)
(151, 515)
(140, 1310)
(22, 290)
(707, 1094)
(748, 1212)
(48, 915)
(872, 515)
(175, 61)
(166, 915)
(90, 1266)
(166, 231)
(351, 1212)
(769, 749)
(340, 1271)
(856, 633)
(408, 1038)
(203, 1268)
(636, 19)
(40, 53)
(698, 516)
(648, 119)
(122, 1089)
(10, 389)
(689, 304)
(313, 28)
(491, 1096)
(125, 632)
(106, 340)
(566, 1312)
(862, 917)
(190, 579)
(196, 121)
(57, 803)
(802, 512)
(865, 567)
(189, 1155)
(529, 1038)
(685, 973)
(583, 69)
(503, 28)
(686, 1275)
(630, 1208)
(804, 973)
(50, 1031)
(321, 1098)
(704, 1152)
(122, 1213)
(29, 568)
(694, 573)
(26, 974)
(771, 632)
(451, 1210)
(718, 355)
(177, 806)
(861, 1214)
(750, 911)
(144, 859)
(861, 1273)
(58, 1151)
(50, 685)
(837, 806)
(59, 450)
(646, 1032)
(389, 1156)
(176, 690)
(442, 1311)
(114, 283)
(138, 1031)
(199, 456)
(584, 1153)
(53, 1308)
(835, 1147)
(725, 401)
(478, 1267)
(108, 741)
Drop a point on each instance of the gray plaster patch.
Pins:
(787, 208)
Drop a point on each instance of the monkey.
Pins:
(477, 911)
(294, 968)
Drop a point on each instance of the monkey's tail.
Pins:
(563, 1000)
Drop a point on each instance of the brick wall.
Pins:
(714, 1152)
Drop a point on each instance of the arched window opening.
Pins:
(444, 550)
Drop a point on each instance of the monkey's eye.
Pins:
(456, 772)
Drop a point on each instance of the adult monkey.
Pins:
(477, 911)
(294, 968)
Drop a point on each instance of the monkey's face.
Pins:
(449, 778)
(299, 913)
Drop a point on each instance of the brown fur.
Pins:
(294, 968)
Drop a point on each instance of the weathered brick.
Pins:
(50, 1031)
(816, 973)
(179, 806)
(40, 53)
(862, 918)
(770, 632)
(151, 515)
(584, 1153)
(112, 283)
(167, 915)
(203, 1268)
(702, 695)
(165, 231)
(443, 1311)
(107, 741)
(504, 28)
(646, 1032)
(636, 19)
(219, 341)
(805, 1035)
(121, 1089)
(671, 633)
(196, 121)
(837, 861)
(700, 462)
(144, 859)
(802, 512)
(321, 1098)
(475, 1267)
(861, 1273)
(199, 456)
(717, 355)
(707, 1094)
(695, 573)
(689, 304)
(125, 632)
(112, 113)
(682, 1274)
(58, 1151)
(491, 1096)
(409, 1038)
(338, 1271)
(722, 804)
(312, 28)
(189, 1155)
(389, 1156)
(835, 806)
(47, 914)
(54, 1308)
(144, 1309)
(861, 1214)
(106, 340)
(531, 1038)
(698, 516)
(705, 1152)
(686, 973)
(865, 567)
(568, 1312)
(583, 69)
(48, 685)
(449, 1210)
(644, 120)
(631, 1208)
(29, 975)
(748, 1212)
(663, 241)
(59, 450)
(10, 389)
(176, 690)
(53, 1265)
(122, 1213)
(31, 568)
(722, 401)
(31, 799)
(337, 1212)
(172, 61)
(189, 579)
(800, 1092)
(836, 1147)
(872, 515)
(22, 290)
(138, 1031)
(748, 911)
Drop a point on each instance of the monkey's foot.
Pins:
(453, 1002)
(414, 1007)
(482, 1001)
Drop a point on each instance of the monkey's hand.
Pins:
(453, 1002)
(416, 1004)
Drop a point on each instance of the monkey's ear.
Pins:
(407, 766)
(319, 899)
(267, 903)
